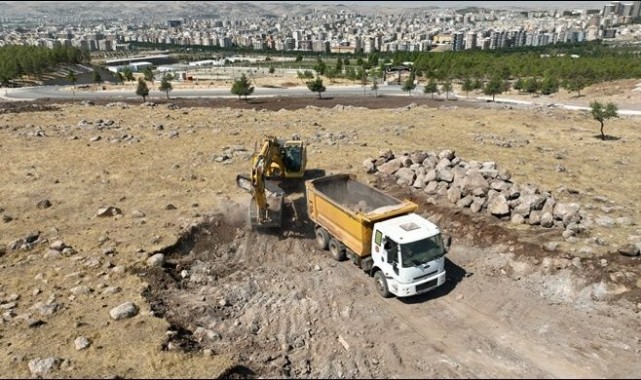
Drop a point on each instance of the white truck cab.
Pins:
(408, 256)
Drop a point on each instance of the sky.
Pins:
(457, 4)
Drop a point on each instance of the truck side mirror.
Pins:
(447, 242)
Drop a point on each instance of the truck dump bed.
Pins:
(348, 209)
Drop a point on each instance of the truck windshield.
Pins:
(422, 251)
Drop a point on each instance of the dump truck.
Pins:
(401, 250)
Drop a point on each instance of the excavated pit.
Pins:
(280, 307)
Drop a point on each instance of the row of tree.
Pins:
(18, 60)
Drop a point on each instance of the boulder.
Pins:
(391, 167)
(157, 260)
(454, 194)
(431, 188)
(369, 166)
(430, 176)
(465, 202)
(547, 220)
(444, 163)
(477, 204)
(517, 219)
(444, 175)
(563, 209)
(123, 311)
(448, 154)
(42, 367)
(498, 206)
(630, 250)
(418, 157)
(474, 180)
(405, 176)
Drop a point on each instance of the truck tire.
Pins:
(381, 284)
(322, 238)
(337, 252)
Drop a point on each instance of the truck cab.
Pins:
(408, 256)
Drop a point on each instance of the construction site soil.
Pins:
(229, 301)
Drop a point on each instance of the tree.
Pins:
(346, 61)
(467, 86)
(320, 67)
(120, 78)
(431, 87)
(519, 84)
(142, 89)
(165, 85)
(96, 77)
(299, 58)
(128, 74)
(477, 84)
(375, 86)
(447, 87)
(493, 87)
(149, 75)
(300, 76)
(549, 85)
(532, 85)
(359, 61)
(271, 69)
(409, 84)
(316, 86)
(242, 87)
(71, 77)
(339, 66)
(601, 113)
(330, 73)
(308, 74)
(575, 84)
(364, 81)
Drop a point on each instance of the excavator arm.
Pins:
(267, 198)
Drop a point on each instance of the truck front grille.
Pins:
(426, 285)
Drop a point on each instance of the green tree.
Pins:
(149, 75)
(142, 89)
(532, 85)
(96, 77)
(601, 113)
(477, 84)
(409, 84)
(242, 87)
(339, 66)
(308, 74)
(431, 87)
(350, 74)
(549, 85)
(375, 86)
(299, 58)
(519, 84)
(71, 77)
(467, 86)
(346, 61)
(575, 84)
(300, 76)
(330, 73)
(119, 78)
(271, 69)
(316, 86)
(359, 61)
(320, 67)
(165, 85)
(364, 80)
(447, 87)
(129, 75)
(493, 87)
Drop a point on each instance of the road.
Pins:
(63, 92)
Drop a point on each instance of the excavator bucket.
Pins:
(274, 212)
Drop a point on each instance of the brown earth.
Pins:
(272, 305)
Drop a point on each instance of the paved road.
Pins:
(62, 92)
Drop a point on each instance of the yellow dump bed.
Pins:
(348, 209)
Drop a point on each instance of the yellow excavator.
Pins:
(274, 160)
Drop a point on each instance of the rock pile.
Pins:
(479, 186)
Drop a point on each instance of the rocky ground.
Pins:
(124, 251)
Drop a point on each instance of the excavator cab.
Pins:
(275, 160)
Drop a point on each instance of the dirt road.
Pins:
(282, 307)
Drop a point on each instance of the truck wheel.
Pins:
(381, 285)
(338, 253)
(322, 238)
